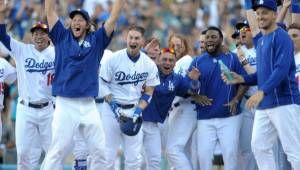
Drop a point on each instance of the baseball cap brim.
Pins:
(255, 7)
(83, 14)
(240, 25)
(40, 26)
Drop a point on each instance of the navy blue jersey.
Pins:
(76, 65)
(276, 70)
(213, 86)
(163, 96)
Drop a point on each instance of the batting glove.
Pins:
(114, 107)
(137, 113)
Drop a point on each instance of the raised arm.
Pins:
(2, 11)
(251, 18)
(112, 20)
(51, 15)
(295, 10)
(285, 7)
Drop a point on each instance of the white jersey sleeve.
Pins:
(297, 62)
(153, 78)
(16, 48)
(7, 74)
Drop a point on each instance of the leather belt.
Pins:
(99, 100)
(126, 106)
(177, 104)
(35, 105)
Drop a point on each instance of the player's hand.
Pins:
(3, 4)
(240, 54)
(255, 99)
(114, 107)
(232, 106)
(151, 46)
(236, 78)
(137, 113)
(202, 100)
(194, 74)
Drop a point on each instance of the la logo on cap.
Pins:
(261, 1)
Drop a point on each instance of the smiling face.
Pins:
(79, 26)
(266, 18)
(135, 42)
(40, 39)
(213, 41)
(166, 62)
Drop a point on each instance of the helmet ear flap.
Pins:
(128, 127)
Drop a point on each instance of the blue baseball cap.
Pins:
(82, 12)
(128, 127)
(39, 25)
(242, 24)
(270, 4)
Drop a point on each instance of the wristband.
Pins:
(146, 97)
(244, 62)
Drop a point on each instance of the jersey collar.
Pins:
(133, 58)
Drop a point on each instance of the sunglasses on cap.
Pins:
(245, 29)
(167, 50)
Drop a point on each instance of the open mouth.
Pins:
(167, 68)
(77, 30)
(133, 47)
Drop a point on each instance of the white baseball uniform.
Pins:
(7, 75)
(297, 62)
(126, 78)
(246, 157)
(182, 120)
(35, 71)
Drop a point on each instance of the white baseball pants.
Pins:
(115, 137)
(224, 130)
(182, 124)
(268, 123)
(71, 115)
(33, 132)
(246, 157)
(152, 145)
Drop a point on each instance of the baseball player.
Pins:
(125, 73)
(80, 150)
(221, 120)
(182, 117)
(294, 33)
(247, 57)
(35, 68)
(7, 75)
(277, 98)
(77, 57)
(154, 115)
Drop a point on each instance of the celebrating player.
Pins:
(221, 120)
(172, 84)
(77, 56)
(277, 98)
(35, 67)
(125, 74)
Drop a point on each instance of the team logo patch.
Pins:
(31, 65)
(122, 78)
(171, 86)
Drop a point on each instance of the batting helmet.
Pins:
(128, 127)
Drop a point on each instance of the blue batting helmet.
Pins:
(128, 127)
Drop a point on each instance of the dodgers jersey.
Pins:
(35, 69)
(77, 63)
(102, 88)
(7, 75)
(297, 62)
(163, 96)
(126, 76)
(276, 70)
(250, 55)
(181, 67)
(213, 86)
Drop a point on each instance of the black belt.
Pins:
(178, 103)
(99, 100)
(247, 97)
(35, 105)
(125, 106)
